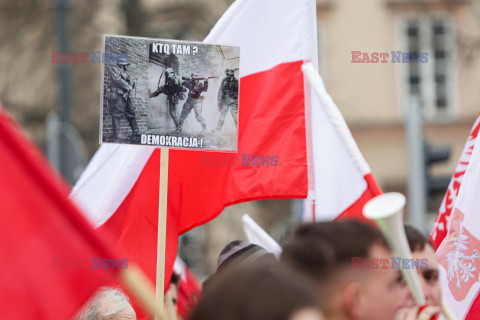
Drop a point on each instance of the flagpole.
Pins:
(162, 228)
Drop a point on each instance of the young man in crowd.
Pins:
(324, 253)
(422, 251)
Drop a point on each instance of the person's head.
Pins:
(169, 72)
(257, 294)
(238, 253)
(122, 63)
(422, 248)
(328, 253)
(121, 60)
(108, 304)
(230, 73)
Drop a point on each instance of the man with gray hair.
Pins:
(108, 303)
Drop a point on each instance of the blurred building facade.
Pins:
(371, 96)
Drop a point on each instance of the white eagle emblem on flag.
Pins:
(460, 265)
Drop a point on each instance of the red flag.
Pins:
(189, 288)
(119, 188)
(46, 246)
(456, 233)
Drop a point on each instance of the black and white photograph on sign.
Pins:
(169, 93)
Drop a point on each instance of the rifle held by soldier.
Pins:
(198, 78)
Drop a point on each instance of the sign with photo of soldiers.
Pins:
(169, 93)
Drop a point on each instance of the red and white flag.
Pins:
(456, 234)
(342, 181)
(47, 246)
(119, 188)
(442, 222)
(189, 288)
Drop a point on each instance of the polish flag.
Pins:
(119, 188)
(456, 234)
(342, 182)
(443, 220)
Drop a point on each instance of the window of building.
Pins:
(433, 81)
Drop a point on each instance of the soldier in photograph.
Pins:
(227, 98)
(196, 86)
(174, 91)
(119, 100)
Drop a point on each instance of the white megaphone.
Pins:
(387, 211)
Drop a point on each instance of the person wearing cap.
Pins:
(239, 254)
(194, 101)
(121, 103)
(227, 98)
(174, 90)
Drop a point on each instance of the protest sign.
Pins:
(169, 93)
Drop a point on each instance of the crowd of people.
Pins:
(317, 277)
